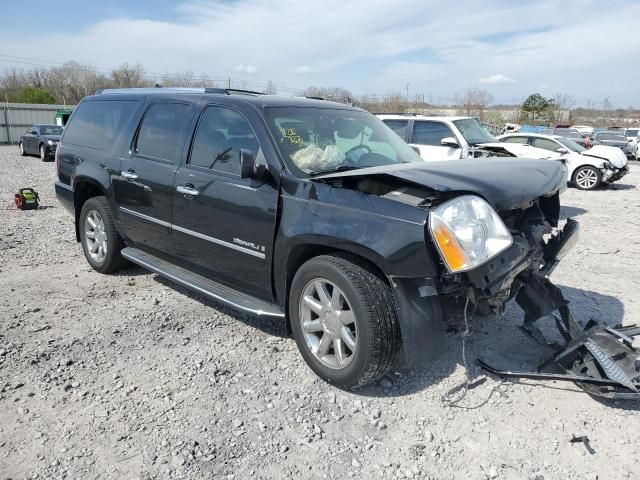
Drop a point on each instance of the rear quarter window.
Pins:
(96, 124)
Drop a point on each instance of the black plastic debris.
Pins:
(600, 359)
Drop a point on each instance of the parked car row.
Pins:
(453, 138)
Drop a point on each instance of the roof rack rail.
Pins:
(169, 90)
(399, 113)
(314, 98)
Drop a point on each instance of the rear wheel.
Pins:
(101, 243)
(344, 321)
(587, 178)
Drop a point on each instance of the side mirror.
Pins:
(449, 142)
(33, 132)
(562, 150)
(248, 166)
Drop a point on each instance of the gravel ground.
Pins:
(131, 376)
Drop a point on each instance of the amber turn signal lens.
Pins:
(450, 249)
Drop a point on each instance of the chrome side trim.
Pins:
(191, 286)
(201, 236)
(217, 241)
(145, 217)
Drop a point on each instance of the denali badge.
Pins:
(253, 246)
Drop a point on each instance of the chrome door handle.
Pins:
(187, 190)
(129, 175)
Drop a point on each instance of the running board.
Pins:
(215, 291)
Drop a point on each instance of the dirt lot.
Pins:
(131, 376)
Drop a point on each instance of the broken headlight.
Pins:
(467, 232)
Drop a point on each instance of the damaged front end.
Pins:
(599, 358)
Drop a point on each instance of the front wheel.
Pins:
(344, 321)
(22, 152)
(43, 153)
(100, 240)
(587, 178)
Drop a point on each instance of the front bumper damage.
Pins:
(600, 359)
(612, 174)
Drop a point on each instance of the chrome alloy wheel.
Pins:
(95, 236)
(586, 178)
(328, 323)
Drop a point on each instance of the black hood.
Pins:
(505, 183)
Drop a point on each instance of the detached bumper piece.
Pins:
(600, 359)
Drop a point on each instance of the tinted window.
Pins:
(163, 130)
(632, 132)
(50, 130)
(430, 133)
(545, 144)
(398, 126)
(95, 124)
(611, 136)
(221, 134)
(522, 140)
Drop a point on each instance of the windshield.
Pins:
(50, 130)
(612, 136)
(571, 145)
(321, 140)
(473, 131)
(568, 133)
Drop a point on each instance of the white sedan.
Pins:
(588, 169)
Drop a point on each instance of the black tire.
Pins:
(21, 148)
(378, 341)
(592, 173)
(113, 260)
(43, 152)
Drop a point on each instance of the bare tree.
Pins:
(472, 102)
(129, 76)
(271, 88)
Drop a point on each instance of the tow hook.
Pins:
(600, 359)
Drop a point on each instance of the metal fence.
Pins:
(15, 118)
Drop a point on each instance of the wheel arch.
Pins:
(84, 189)
(303, 252)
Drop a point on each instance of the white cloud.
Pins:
(248, 69)
(392, 43)
(302, 70)
(497, 79)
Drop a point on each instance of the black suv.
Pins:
(310, 211)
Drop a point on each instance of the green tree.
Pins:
(536, 109)
(34, 95)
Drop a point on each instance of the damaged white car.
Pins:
(451, 138)
(588, 169)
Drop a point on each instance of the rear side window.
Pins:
(221, 134)
(163, 131)
(398, 126)
(430, 133)
(521, 140)
(95, 124)
(545, 144)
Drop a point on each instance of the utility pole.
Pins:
(407, 92)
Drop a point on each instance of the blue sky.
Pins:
(586, 49)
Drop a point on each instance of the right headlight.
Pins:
(467, 232)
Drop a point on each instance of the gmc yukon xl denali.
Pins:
(310, 211)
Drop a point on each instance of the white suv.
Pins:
(450, 138)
